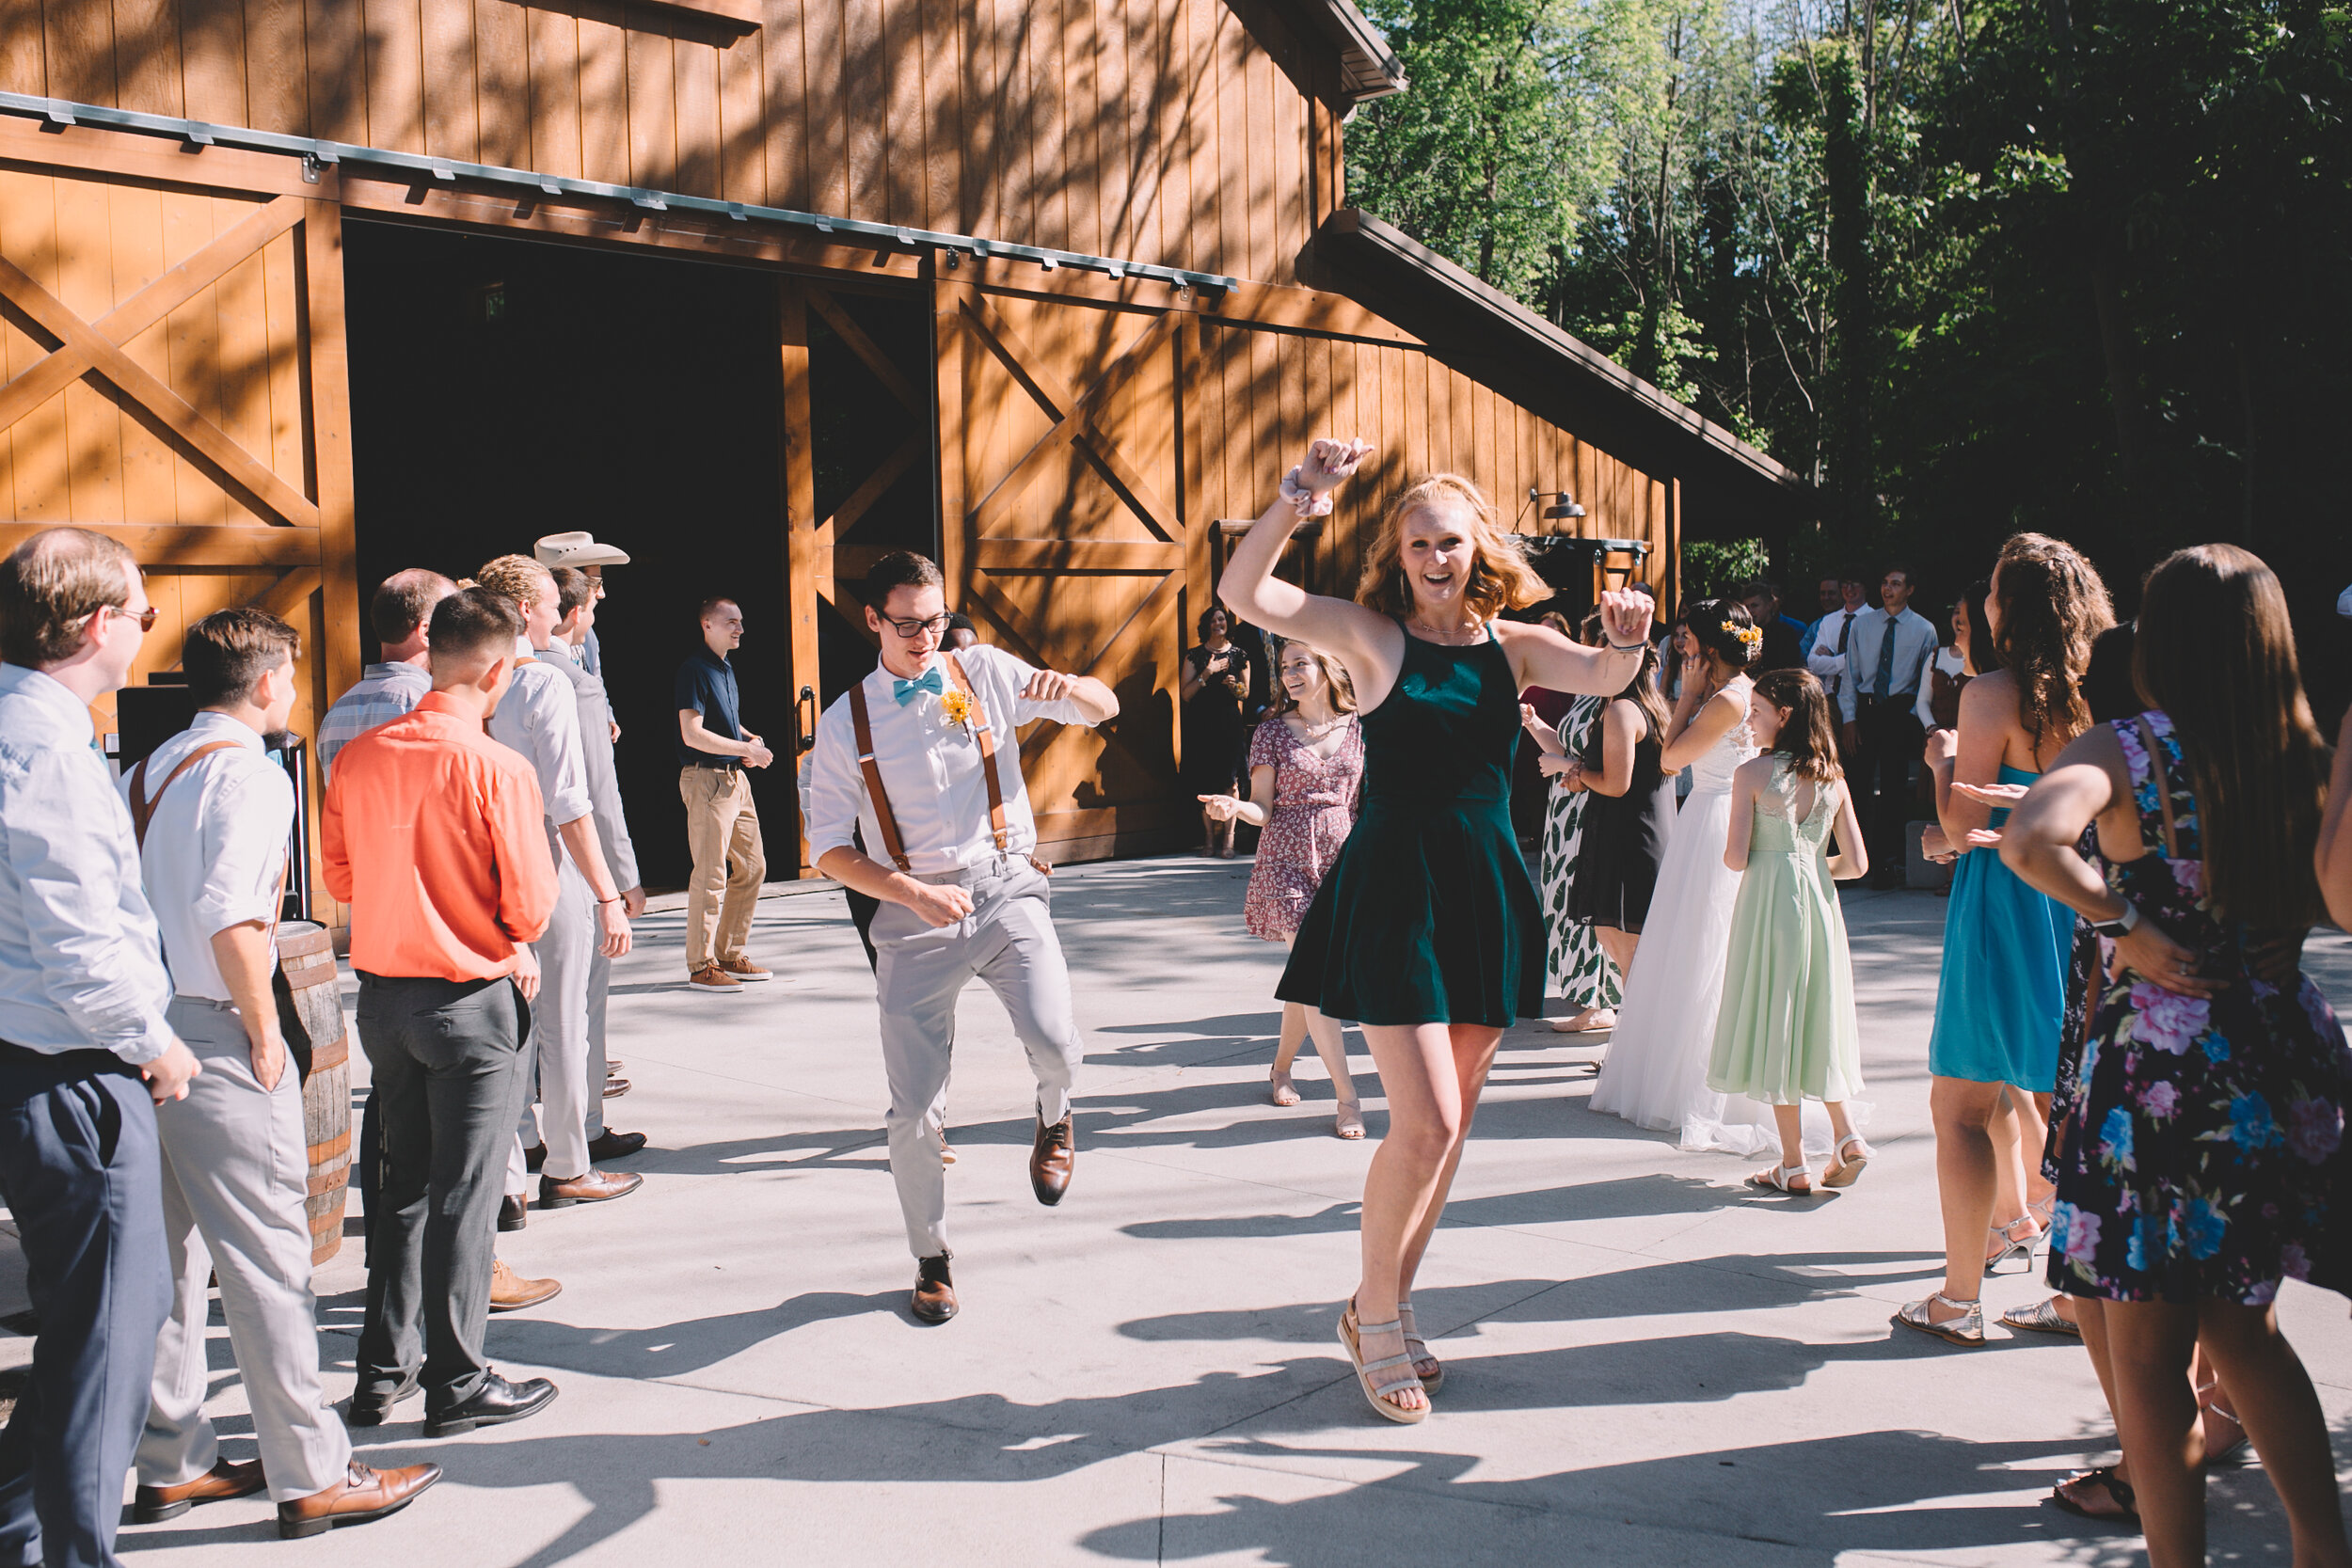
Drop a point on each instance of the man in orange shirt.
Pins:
(432, 833)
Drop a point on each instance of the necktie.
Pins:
(1887, 660)
(1845, 629)
(906, 691)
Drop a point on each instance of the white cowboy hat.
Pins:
(576, 550)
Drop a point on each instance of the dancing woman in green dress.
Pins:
(1426, 931)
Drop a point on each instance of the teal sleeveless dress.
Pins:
(1429, 915)
(2001, 1002)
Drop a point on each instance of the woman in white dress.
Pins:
(1656, 1072)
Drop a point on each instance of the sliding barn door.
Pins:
(173, 362)
(1065, 537)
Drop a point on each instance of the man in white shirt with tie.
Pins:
(923, 756)
(1887, 660)
(1827, 640)
(213, 814)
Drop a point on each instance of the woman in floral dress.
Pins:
(2203, 1157)
(1306, 770)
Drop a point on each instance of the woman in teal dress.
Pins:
(2001, 1002)
(1427, 930)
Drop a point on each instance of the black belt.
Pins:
(728, 764)
(66, 1064)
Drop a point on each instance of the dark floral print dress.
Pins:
(2202, 1152)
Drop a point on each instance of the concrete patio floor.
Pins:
(1647, 1363)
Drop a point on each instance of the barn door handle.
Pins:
(804, 718)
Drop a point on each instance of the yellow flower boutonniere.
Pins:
(956, 709)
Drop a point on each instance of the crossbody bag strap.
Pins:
(859, 719)
(2164, 785)
(142, 807)
(988, 752)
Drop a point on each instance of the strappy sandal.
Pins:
(2045, 1213)
(1376, 1392)
(1779, 1178)
(2042, 1318)
(1967, 1329)
(1418, 1348)
(2011, 1246)
(1348, 1121)
(1846, 1171)
(1283, 1091)
(2118, 1492)
(2208, 1409)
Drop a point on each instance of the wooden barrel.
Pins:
(307, 954)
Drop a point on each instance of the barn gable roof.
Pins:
(1367, 67)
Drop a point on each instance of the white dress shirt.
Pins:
(80, 966)
(215, 845)
(930, 769)
(1822, 655)
(539, 716)
(1915, 642)
(595, 749)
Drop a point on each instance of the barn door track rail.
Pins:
(59, 113)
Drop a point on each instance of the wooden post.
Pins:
(804, 555)
(948, 435)
(327, 367)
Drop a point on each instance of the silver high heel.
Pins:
(2012, 1247)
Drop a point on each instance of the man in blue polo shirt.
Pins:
(721, 823)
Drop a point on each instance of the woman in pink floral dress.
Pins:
(1306, 770)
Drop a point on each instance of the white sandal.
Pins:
(1848, 1171)
(1780, 1176)
(1418, 1348)
(1377, 1392)
(1347, 1122)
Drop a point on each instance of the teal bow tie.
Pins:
(929, 681)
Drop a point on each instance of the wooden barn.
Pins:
(298, 292)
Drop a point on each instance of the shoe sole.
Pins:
(571, 1202)
(1381, 1406)
(519, 1305)
(709, 990)
(292, 1529)
(157, 1515)
(507, 1228)
(929, 1321)
(465, 1424)
(1936, 1331)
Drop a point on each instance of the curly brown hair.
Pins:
(1502, 579)
(2053, 607)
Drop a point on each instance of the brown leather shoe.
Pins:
(535, 1156)
(363, 1495)
(511, 1292)
(1055, 1151)
(596, 1186)
(743, 969)
(934, 1299)
(514, 1212)
(612, 1066)
(615, 1087)
(711, 977)
(151, 1505)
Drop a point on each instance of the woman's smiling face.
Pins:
(1302, 676)
(1437, 554)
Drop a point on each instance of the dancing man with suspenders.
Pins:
(922, 754)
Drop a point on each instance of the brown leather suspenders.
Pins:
(883, 818)
(143, 806)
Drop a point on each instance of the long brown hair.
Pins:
(2053, 608)
(1643, 692)
(2216, 652)
(1807, 739)
(1500, 579)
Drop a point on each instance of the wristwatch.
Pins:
(2120, 925)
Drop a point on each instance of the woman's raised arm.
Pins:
(1358, 637)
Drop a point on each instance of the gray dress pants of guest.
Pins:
(1006, 941)
(78, 1166)
(447, 1059)
(599, 994)
(235, 1172)
(556, 1055)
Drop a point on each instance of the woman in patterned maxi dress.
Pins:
(2203, 1157)
(1575, 963)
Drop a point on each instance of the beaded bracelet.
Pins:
(1305, 502)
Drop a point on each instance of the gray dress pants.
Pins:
(447, 1058)
(599, 994)
(1006, 941)
(235, 1171)
(78, 1165)
(556, 1055)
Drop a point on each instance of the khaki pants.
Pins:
(722, 835)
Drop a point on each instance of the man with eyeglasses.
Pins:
(923, 758)
(722, 822)
(83, 994)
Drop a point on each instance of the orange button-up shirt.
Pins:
(435, 836)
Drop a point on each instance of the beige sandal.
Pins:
(1376, 1390)
(1846, 1172)
(1782, 1179)
(1348, 1121)
(1418, 1348)
(1283, 1091)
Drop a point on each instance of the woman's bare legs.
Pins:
(1431, 1074)
(1294, 1035)
(2281, 1415)
(1965, 1180)
(2041, 1192)
(1620, 945)
(2008, 1159)
(1789, 1120)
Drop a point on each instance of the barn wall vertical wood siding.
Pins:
(1160, 130)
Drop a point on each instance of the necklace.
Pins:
(1472, 633)
(1316, 731)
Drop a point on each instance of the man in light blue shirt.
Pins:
(398, 681)
(83, 992)
(1887, 659)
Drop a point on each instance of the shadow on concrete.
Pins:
(1625, 1197)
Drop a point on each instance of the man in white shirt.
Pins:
(539, 716)
(1828, 639)
(83, 994)
(1886, 662)
(930, 772)
(213, 814)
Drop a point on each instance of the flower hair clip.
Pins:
(1749, 636)
(1303, 501)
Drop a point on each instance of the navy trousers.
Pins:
(81, 1171)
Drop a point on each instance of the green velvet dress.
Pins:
(1429, 915)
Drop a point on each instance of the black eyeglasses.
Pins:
(913, 628)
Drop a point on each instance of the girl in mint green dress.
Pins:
(1786, 1032)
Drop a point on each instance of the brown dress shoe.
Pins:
(612, 1066)
(535, 1156)
(711, 977)
(511, 1292)
(615, 1087)
(151, 1505)
(514, 1212)
(1055, 1151)
(934, 1299)
(596, 1186)
(363, 1495)
(743, 969)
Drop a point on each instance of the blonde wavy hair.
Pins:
(1499, 578)
(519, 577)
(1334, 674)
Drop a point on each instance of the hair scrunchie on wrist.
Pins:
(1305, 502)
